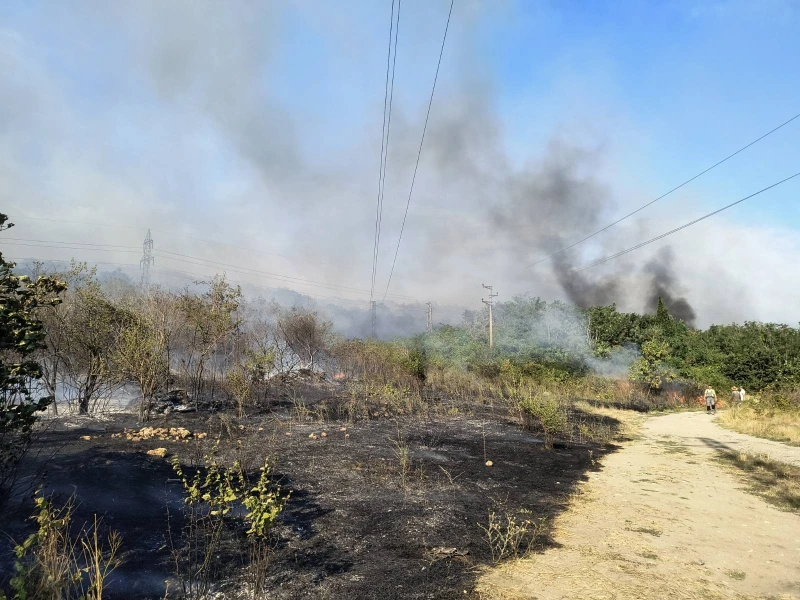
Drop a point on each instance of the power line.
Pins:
(670, 232)
(419, 152)
(165, 255)
(165, 232)
(57, 260)
(162, 231)
(192, 275)
(388, 97)
(676, 188)
(69, 247)
(70, 243)
(265, 274)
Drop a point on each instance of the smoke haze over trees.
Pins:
(256, 126)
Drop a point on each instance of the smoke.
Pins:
(530, 324)
(257, 124)
(664, 284)
(549, 205)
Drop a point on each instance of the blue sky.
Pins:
(260, 123)
(692, 81)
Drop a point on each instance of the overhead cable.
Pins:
(419, 152)
(388, 96)
(662, 196)
(671, 231)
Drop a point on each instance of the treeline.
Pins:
(221, 347)
(558, 341)
(213, 344)
(758, 356)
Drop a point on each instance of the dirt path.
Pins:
(662, 519)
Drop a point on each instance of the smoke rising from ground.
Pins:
(664, 284)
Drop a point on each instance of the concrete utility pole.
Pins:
(374, 316)
(490, 303)
(147, 260)
(430, 317)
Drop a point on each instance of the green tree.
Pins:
(651, 368)
(209, 322)
(21, 335)
(140, 355)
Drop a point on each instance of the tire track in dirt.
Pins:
(663, 519)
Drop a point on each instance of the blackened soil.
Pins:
(361, 521)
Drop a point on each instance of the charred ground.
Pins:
(389, 507)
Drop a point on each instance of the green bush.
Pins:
(546, 411)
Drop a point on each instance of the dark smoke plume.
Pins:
(664, 284)
(548, 206)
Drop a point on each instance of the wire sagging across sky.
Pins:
(671, 231)
(662, 196)
(419, 152)
(388, 97)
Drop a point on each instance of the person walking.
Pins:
(711, 400)
(736, 397)
(741, 395)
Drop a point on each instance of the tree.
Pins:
(651, 368)
(80, 333)
(306, 334)
(140, 355)
(209, 321)
(94, 325)
(21, 335)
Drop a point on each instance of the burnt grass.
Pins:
(357, 525)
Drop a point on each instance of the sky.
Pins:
(247, 135)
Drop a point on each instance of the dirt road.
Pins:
(663, 519)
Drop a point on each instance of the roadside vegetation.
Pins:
(778, 483)
(774, 415)
(272, 450)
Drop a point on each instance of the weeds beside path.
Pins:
(664, 519)
(778, 425)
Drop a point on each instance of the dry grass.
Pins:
(772, 424)
(776, 482)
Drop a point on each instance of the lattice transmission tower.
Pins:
(147, 260)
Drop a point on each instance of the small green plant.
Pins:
(548, 413)
(404, 457)
(51, 564)
(211, 495)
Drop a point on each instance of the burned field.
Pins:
(386, 505)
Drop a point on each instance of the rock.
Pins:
(160, 452)
(86, 437)
(489, 463)
(442, 552)
(323, 434)
(176, 396)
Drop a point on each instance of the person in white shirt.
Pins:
(741, 394)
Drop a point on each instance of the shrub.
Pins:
(509, 536)
(21, 334)
(548, 412)
(50, 564)
(211, 495)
